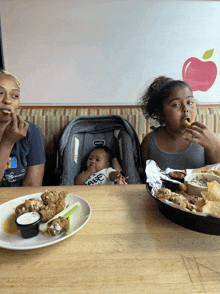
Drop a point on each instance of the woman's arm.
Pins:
(34, 175)
(35, 158)
(16, 130)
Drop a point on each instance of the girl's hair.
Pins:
(154, 96)
(4, 73)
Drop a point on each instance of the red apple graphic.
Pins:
(200, 75)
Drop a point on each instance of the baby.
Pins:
(99, 171)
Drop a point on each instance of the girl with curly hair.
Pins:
(179, 142)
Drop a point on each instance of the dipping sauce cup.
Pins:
(178, 176)
(28, 224)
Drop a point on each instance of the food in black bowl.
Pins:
(178, 176)
(203, 223)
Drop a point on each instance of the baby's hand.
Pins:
(91, 169)
(119, 179)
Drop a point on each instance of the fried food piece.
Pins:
(191, 198)
(60, 205)
(212, 172)
(179, 199)
(164, 193)
(52, 203)
(48, 212)
(50, 197)
(51, 210)
(186, 123)
(29, 206)
(57, 226)
(182, 187)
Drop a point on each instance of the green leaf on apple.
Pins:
(208, 54)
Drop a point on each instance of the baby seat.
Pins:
(84, 133)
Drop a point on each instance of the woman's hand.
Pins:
(202, 135)
(15, 130)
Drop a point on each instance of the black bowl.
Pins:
(178, 176)
(170, 185)
(207, 224)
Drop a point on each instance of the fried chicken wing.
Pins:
(179, 199)
(57, 226)
(164, 193)
(49, 211)
(49, 197)
(51, 203)
(29, 206)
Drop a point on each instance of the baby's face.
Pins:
(99, 159)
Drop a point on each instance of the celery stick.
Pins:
(68, 230)
(71, 211)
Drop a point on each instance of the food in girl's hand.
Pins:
(187, 123)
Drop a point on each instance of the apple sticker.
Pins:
(199, 74)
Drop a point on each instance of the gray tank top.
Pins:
(192, 157)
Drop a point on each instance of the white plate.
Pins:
(16, 242)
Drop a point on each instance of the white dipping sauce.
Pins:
(28, 218)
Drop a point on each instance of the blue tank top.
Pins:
(192, 157)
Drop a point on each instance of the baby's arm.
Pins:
(117, 178)
(207, 139)
(81, 178)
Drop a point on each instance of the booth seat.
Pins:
(52, 121)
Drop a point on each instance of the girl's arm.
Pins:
(144, 147)
(207, 139)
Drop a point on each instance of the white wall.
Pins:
(96, 52)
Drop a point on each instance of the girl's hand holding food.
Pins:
(203, 136)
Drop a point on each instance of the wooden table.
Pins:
(127, 247)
